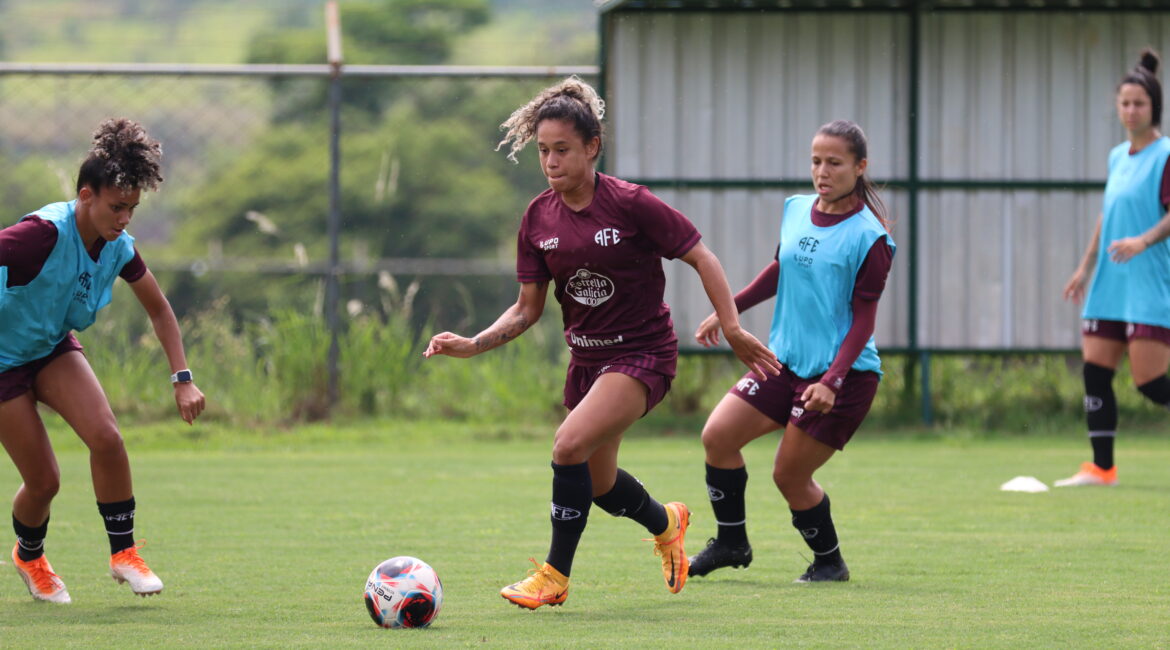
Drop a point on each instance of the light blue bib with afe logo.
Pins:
(1137, 291)
(818, 268)
(66, 295)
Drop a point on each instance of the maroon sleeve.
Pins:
(871, 277)
(760, 289)
(24, 247)
(871, 280)
(530, 264)
(1164, 194)
(134, 269)
(672, 233)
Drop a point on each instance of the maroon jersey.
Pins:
(606, 265)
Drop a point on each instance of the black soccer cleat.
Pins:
(828, 572)
(718, 555)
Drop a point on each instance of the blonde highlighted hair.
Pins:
(571, 100)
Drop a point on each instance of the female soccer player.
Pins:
(830, 269)
(601, 240)
(1127, 308)
(57, 269)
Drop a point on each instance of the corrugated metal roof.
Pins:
(606, 6)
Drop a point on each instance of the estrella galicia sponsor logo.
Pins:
(747, 385)
(550, 243)
(589, 288)
(561, 513)
(85, 281)
(606, 236)
(797, 411)
(714, 493)
(1093, 403)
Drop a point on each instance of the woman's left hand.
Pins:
(752, 353)
(190, 401)
(1124, 250)
(818, 397)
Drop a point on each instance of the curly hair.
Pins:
(571, 100)
(1145, 74)
(123, 155)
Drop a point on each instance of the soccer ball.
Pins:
(403, 591)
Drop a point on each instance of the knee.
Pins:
(717, 443)
(790, 485)
(569, 449)
(712, 439)
(106, 442)
(44, 486)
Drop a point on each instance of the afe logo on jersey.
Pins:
(806, 245)
(606, 236)
(589, 288)
(85, 281)
(747, 385)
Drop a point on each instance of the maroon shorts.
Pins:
(17, 381)
(779, 399)
(655, 369)
(1116, 330)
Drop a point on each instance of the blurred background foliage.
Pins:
(420, 177)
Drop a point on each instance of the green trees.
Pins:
(420, 177)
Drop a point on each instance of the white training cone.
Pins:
(1024, 484)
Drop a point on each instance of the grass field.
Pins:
(264, 539)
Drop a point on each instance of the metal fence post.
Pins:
(332, 279)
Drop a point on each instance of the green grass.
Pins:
(264, 539)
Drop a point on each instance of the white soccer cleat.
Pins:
(42, 583)
(1090, 474)
(128, 566)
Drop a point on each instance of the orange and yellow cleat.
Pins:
(543, 586)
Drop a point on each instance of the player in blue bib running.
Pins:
(601, 241)
(830, 270)
(57, 269)
(1127, 306)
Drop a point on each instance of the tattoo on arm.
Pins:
(504, 330)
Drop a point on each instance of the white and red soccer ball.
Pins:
(403, 591)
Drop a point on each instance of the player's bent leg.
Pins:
(731, 426)
(127, 566)
(23, 436)
(797, 459)
(543, 586)
(69, 386)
